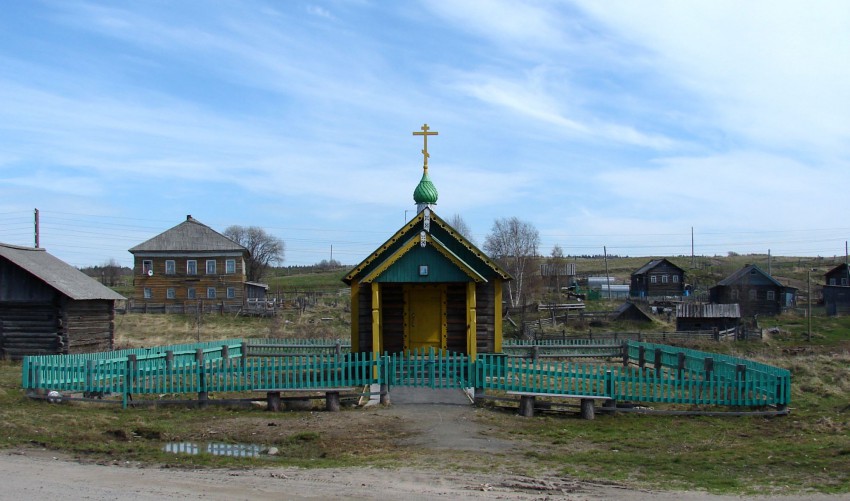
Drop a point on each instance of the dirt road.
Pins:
(434, 422)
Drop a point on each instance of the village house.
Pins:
(657, 278)
(49, 307)
(427, 287)
(757, 292)
(190, 267)
(836, 290)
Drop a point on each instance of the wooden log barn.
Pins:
(427, 287)
(49, 307)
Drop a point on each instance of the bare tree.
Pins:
(557, 260)
(513, 243)
(265, 250)
(460, 225)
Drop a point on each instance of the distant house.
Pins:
(701, 317)
(658, 277)
(187, 267)
(631, 312)
(49, 307)
(836, 290)
(757, 292)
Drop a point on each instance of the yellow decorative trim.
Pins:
(355, 317)
(375, 255)
(451, 256)
(391, 260)
(376, 319)
(471, 321)
(444, 313)
(472, 248)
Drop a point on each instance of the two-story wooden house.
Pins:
(187, 267)
(657, 278)
(757, 292)
(836, 290)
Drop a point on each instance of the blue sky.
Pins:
(617, 124)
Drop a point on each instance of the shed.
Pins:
(426, 287)
(49, 307)
(630, 311)
(703, 316)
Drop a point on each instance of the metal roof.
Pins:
(190, 235)
(747, 269)
(708, 310)
(57, 274)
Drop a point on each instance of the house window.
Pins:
(147, 267)
(191, 267)
(190, 293)
(844, 281)
(230, 266)
(210, 292)
(653, 279)
(148, 293)
(170, 293)
(663, 279)
(832, 281)
(231, 292)
(210, 266)
(734, 294)
(752, 294)
(170, 267)
(771, 295)
(675, 279)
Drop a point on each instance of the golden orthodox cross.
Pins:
(425, 135)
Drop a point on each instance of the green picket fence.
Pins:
(652, 374)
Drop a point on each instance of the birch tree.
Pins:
(514, 244)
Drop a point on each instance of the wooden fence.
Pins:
(648, 373)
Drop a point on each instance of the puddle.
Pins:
(215, 448)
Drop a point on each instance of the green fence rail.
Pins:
(650, 373)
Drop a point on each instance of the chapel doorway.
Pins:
(425, 317)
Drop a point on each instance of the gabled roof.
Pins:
(190, 235)
(57, 274)
(438, 235)
(745, 271)
(652, 264)
(843, 267)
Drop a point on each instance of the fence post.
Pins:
(89, 377)
(658, 364)
(384, 370)
(625, 348)
(741, 379)
(129, 371)
(641, 356)
(203, 395)
(680, 363)
(244, 349)
(715, 333)
(535, 353)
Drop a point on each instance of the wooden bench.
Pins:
(331, 396)
(588, 402)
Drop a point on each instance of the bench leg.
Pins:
(332, 401)
(526, 405)
(588, 408)
(273, 401)
(385, 394)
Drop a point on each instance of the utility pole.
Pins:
(607, 277)
(809, 294)
(36, 229)
(693, 259)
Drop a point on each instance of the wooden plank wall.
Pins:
(89, 326)
(29, 329)
(486, 312)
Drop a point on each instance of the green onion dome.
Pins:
(425, 192)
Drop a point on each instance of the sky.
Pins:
(615, 126)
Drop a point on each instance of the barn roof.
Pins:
(57, 274)
(708, 310)
(190, 235)
(747, 269)
(652, 264)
